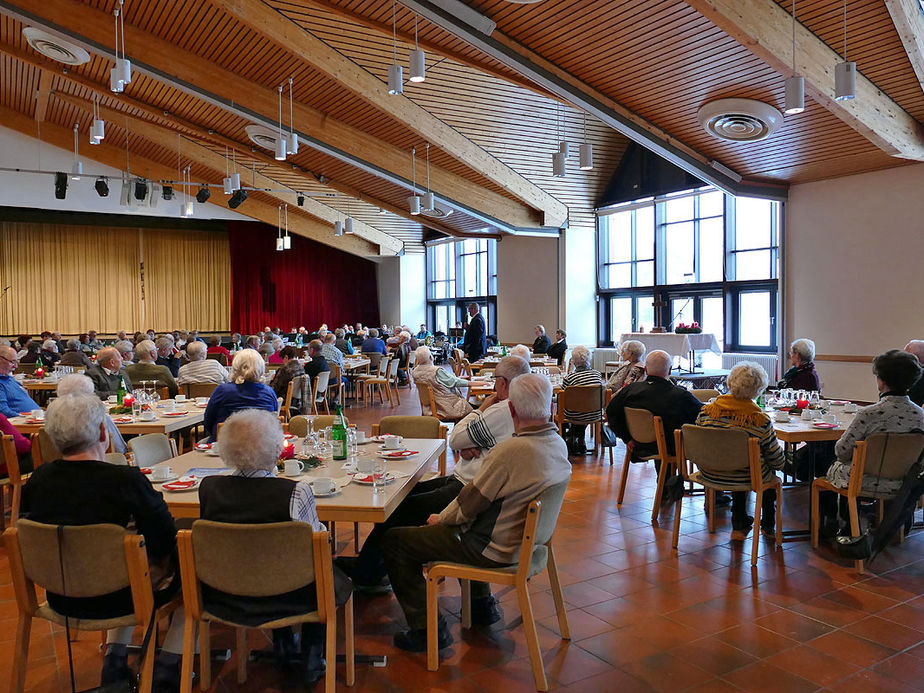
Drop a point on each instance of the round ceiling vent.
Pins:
(439, 211)
(740, 120)
(263, 136)
(55, 47)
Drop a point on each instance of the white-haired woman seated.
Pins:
(631, 370)
(738, 410)
(245, 391)
(542, 342)
(77, 384)
(449, 403)
(582, 374)
(802, 375)
(522, 351)
(250, 443)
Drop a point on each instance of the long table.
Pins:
(160, 424)
(354, 502)
(798, 431)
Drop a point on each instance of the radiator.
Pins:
(770, 362)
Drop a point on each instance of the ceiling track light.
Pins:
(60, 185)
(292, 140)
(418, 59)
(280, 139)
(237, 198)
(204, 194)
(845, 73)
(395, 71)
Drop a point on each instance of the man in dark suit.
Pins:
(558, 350)
(107, 373)
(475, 344)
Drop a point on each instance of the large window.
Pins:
(459, 273)
(698, 256)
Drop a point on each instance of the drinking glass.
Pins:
(352, 446)
(379, 469)
(814, 399)
(136, 409)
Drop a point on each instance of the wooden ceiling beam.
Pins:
(765, 29)
(188, 72)
(203, 156)
(289, 36)
(109, 155)
(41, 96)
(908, 17)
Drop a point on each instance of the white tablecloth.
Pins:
(673, 343)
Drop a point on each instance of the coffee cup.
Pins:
(829, 418)
(180, 398)
(37, 414)
(294, 467)
(782, 416)
(323, 485)
(170, 405)
(850, 407)
(807, 415)
(202, 400)
(391, 442)
(112, 399)
(364, 465)
(160, 472)
(148, 415)
(360, 436)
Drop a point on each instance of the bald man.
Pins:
(13, 397)
(107, 373)
(916, 391)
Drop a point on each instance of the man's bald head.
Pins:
(109, 357)
(916, 347)
(8, 360)
(658, 363)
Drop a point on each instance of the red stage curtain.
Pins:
(308, 285)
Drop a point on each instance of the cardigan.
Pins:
(231, 397)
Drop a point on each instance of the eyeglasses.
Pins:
(13, 361)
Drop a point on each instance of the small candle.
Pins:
(802, 403)
(39, 372)
(127, 400)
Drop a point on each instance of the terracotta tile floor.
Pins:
(643, 617)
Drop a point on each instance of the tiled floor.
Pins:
(642, 616)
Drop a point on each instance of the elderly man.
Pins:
(316, 363)
(49, 353)
(475, 344)
(76, 384)
(916, 392)
(483, 526)
(341, 342)
(62, 345)
(121, 336)
(81, 489)
(330, 351)
(13, 397)
(147, 369)
(108, 373)
(559, 348)
(126, 350)
(92, 341)
(73, 355)
(201, 369)
(166, 354)
(372, 344)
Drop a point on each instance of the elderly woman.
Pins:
(738, 410)
(32, 354)
(250, 443)
(542, 343)
(73, 356)
(896, 371)
(291, 368)
(522, 351)
(147, 369)
(126, 350)
(802, 375)
(449, 403)
(276, 357)
(631, 370)
(77, 384)
(245, 391)
(49, 355)
(582, 374)
(200, 368)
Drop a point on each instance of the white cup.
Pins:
(180, 398)
(112, 399)
(37, 414)
(391, 442)
(364, 465)
(850, 407)
(160, 472)
(169, 405)
(323, 485)
(148, 415)
(294, 468)
(782, 416)
(360, 436)
(202, 400)
(829, 418)
(807, 415)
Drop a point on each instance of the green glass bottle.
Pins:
(120, 393)
(338, 435)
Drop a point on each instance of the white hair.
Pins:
(747, 380)
(405, 336)
(247, 366)
(531, 397)
(805, 348)
(251, 439)
(634, 347)
(510, 367)
(50, 345)
(145, 350)
(659, 363)
(4, 342)
(75, 384)
(124, 346)
(196, 351)
(73, 422)
(71, 344)
(521, 351)
(580, 356)
(424, 355)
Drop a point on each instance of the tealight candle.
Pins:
(127, 400)
(802, 403)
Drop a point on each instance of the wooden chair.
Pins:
(718, 451)
(381, 371)
(27, 368)
(14, 480)
(335, 382)
(319, 392)
(280, 557)
(536, 555)
(298, 425)
(43, 450)
(194, 390)
(646, 428)
(295, 385)
(151, 449)
(389, 382)
(411, 362)
(704, 395)
(426, 427)
(221, 358)
(884, 456)
(163, 392)
(583, 399)
(118, 561)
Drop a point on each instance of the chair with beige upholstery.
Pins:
(119, 561)
(43, 449)
(536, 555)
(718, 451)
(425, 427)
(583, 399)
(705, 395)
(152, 448)
(884, 456)
(646, 428)
(280, 557)
(14, 480)
(194, 390)
(389, 382)
(318, 392)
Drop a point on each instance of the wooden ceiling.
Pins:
(205, 70)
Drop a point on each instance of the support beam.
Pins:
(908, 17)
(194, 75)
(765, 29)
(41, 96)
(108, 155)
(203, 156)
(275, 27)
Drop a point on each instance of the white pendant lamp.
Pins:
(77, 166)
(287, 239)
(564, 149)
(558, 165)
(795, 85)
(280, 138)
(235, 182)
(395, 72)
(418, 59)
(560, 157)
(348, 225)
(413, 202)
(338, 228)
(845, 73)
(98, 128)
(586, 156)
(280, 244)
(226, 185)
(188, 208)
(124, 67)
(292, 139)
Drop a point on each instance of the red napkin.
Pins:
(402, 453)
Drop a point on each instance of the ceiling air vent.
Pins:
(740, 120)
(439, 211)
(55, 47)
(263, 136)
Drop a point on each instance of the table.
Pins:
(46, 385)
(534, 362)
(682, 345)
(351, 364)
(354, 503)
(161, 424)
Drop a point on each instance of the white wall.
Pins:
(37, 190)
(527, 287)
(413, 280)
(854, 250)
(580, 285)
(389, 284)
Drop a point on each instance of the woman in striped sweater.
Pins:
(738, 410)
(583, 375)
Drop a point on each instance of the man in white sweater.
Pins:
(483, 526)
(201, 369)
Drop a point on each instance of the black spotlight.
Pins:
(167, 193)
(102, 186)
(301, 200)
(141, 188)
(60, 185)
(203, 194)
(237, 198)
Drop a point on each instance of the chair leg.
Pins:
(662, 476)
(433, 653)
(625, 477)
(755, 541)
(816, 512)
(243, 654)
(330, 675)
(16, 493)
(146, 675)
(677, 508)
(350, 642)
(21, 653)
(205, 656)
(356, 537)
(466, 589)
(532, 638)
(710, 503)
(855, 526)
(189, 645)
(557, 596)
(779, 516)
(332, 528)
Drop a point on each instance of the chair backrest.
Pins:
(582, 399)
(411, 361)
(640, 423)
(717, 451)
(116, 458)
(890, 455)
(163, 392)
(298, 425)
(320, 385)
(411, 426)
(393, 364)
(25, 368)
(11, 459)
(704, 395)
(456, 368)
(150, 449)
(43, 449)
(375, 360)
(541, 518)
(201, 389)
(221, 358)
(427, 400)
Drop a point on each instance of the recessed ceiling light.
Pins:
(55, 47)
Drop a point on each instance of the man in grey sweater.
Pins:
(483, 526)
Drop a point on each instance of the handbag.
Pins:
(129, 685)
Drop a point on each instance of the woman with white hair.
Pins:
(802, 375)
(201, 369)
(631, 370)
(522, 351)
(245, 391)
(542, 343)
(449, 403)
(49, 354)
(738, 410)
(77, 384)
(582, 375)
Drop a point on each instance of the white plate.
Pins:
(193, 487)
(386, 456)
(165, 480)
(367, 481)
(398, 449)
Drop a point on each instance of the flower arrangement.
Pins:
(692, 328)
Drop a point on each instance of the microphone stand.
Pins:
(670, 325)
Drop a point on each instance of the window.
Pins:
(457, 274)
(696, 256)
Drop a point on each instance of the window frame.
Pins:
(485, 268)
